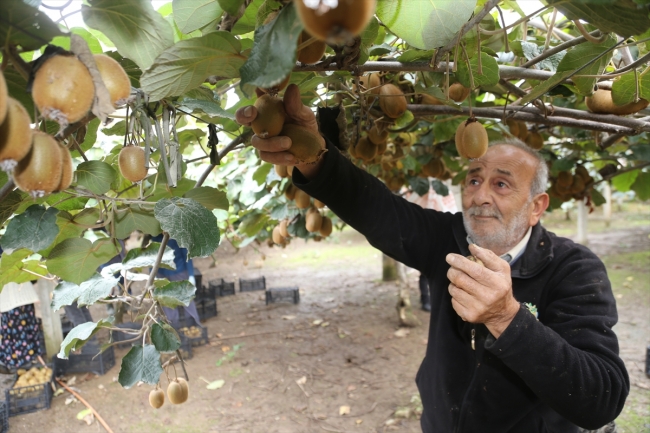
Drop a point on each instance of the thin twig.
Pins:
(550, 30)
(587, 35)
(92, 409)
(241, 139)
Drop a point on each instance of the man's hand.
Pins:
(482, 294)
(274, 149)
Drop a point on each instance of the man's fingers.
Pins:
(245, 115)
(292, 102)
(489, 259)
(273, 144)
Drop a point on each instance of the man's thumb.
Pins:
(292, 102)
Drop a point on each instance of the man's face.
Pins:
(497, 206)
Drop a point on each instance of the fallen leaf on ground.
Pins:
(317, 322)
(289, 317)
(302, 380)
(344, 410)
(83, 413)
(402, 332)
(216, 384)
(359, 421)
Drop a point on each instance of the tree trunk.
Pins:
(582, 222)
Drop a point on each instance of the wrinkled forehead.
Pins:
(505, 159)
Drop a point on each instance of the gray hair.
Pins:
(540, 181)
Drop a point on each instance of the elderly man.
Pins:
(521, 344)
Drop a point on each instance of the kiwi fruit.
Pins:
(156, 398)
(175, 392)
(67, 170)
(381, 149)
(15, 135)
(63, 89)
(583, 173)
(4, 94)
(471, 139)
(458, 92)
(290, 191)
(185, 386)
(352, 150)
(535, 140)
(377, 136)
(39, 173)
(311, 53)
(522, 131)
(365, 149)
(325, 227)
(115, 79)
(434, 168)
(281, 170)
(131, 162)
(336, 24)
(577, 185)
(513, 126)
(270, 116)
(319, 204)
(392, 101)
(564, 179)
(313, 220)
(277, 237)
(274, 90)
(302, 199)
(426, 99)
(370, 83)
(284, 228)
(395, 183)
(601, 102)
(305, 144)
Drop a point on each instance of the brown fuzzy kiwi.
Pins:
(522, 131)
(395, 183)
(381, 148)
(274, 90)
(365, 149)
(564, 179)
(458, 92)
(115, 79)
(39, 173)
(335, 25)
(15, 135)
(325, 227)
(433, 168)
(277, 237)
(302, 199)
(131, 162)
(476, 260)
(290, 192)
(370, 83)
(284, 228)
(63, 89)
(426, 99)
(471, 139)
(281, 170)
(311, 53)
(392, 101)
(377, 136)
(156, 398)
(583, 173)
(513, 126)
(67, 169)
(270, 116)
(306, 145)
(4, 94)
(185, 386)
(175, 392)
(313, 220)
(352, 150)
(601, 102)
(319, 204)
(535, 140)
(578, 185)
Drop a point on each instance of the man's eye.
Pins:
(501, 184)
(473, 182)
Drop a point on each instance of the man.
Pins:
(522, 344)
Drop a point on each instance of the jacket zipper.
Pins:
(471, 383)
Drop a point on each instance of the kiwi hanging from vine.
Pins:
(336, 24)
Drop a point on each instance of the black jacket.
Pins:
(546, 375)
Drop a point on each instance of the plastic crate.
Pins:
(199, 340)
(41, 339)
(4, 418)
(282, 294)
(186, 351)
(227, 289)
(121, 336)
(215, 286)
(198, 279)
(88, 361)
(253, 284)
(28, 399)
(207, 308)
(209, 292)
(66, 325)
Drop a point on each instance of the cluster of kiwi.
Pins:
(601, 102)
(33, 376)
(178, 391)
(457, 93)
(519, 130)
(38, 163)
(315, 221)
(566, 186)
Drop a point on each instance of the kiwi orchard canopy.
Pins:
(400, 80)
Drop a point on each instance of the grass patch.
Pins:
(631, 420)
(629, 274)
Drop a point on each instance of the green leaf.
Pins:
(186, 64)
(17, 87)
(137, 30)
(248, 22)
(89, 139)
(624, 88)
(165, 191)
(425, 24)
(72, 226)
(582, 54)
(623, 17)
(488, 77)
(141, 364)
(274, 52)
(34, 229)
(93, 43)
(211, 108)
(641, 186)
(624, 181)
(404, 120)
(10, 204)
(14, 268)
(175, 294)
(210, 198)
(64, 201)
(77, 260)
(640, 152)
(78, 336)
(96, 176)
(25, 26)
(440, 188)
(65, 293)
(192, 15)
(530, 50)
(231, 6)
(413, 55)
(597, 198)
(419, 185)
(135, 217)
(164, 338)
(261, 172)
(191, 224)
(143, 258)
(545, 86)
(96, 288)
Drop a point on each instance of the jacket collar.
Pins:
(538, 252)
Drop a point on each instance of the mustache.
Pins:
(483, 212)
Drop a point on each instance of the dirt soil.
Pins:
(335, 362)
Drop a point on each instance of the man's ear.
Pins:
(539, 206)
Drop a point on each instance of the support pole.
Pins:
(607, 207)
(51, 319)
(582, 222)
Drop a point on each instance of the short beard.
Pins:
(502, 239)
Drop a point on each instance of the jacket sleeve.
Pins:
(398, 228)
(569, 358)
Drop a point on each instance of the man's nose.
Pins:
(482, 195)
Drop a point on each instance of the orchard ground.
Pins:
(337, 361)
